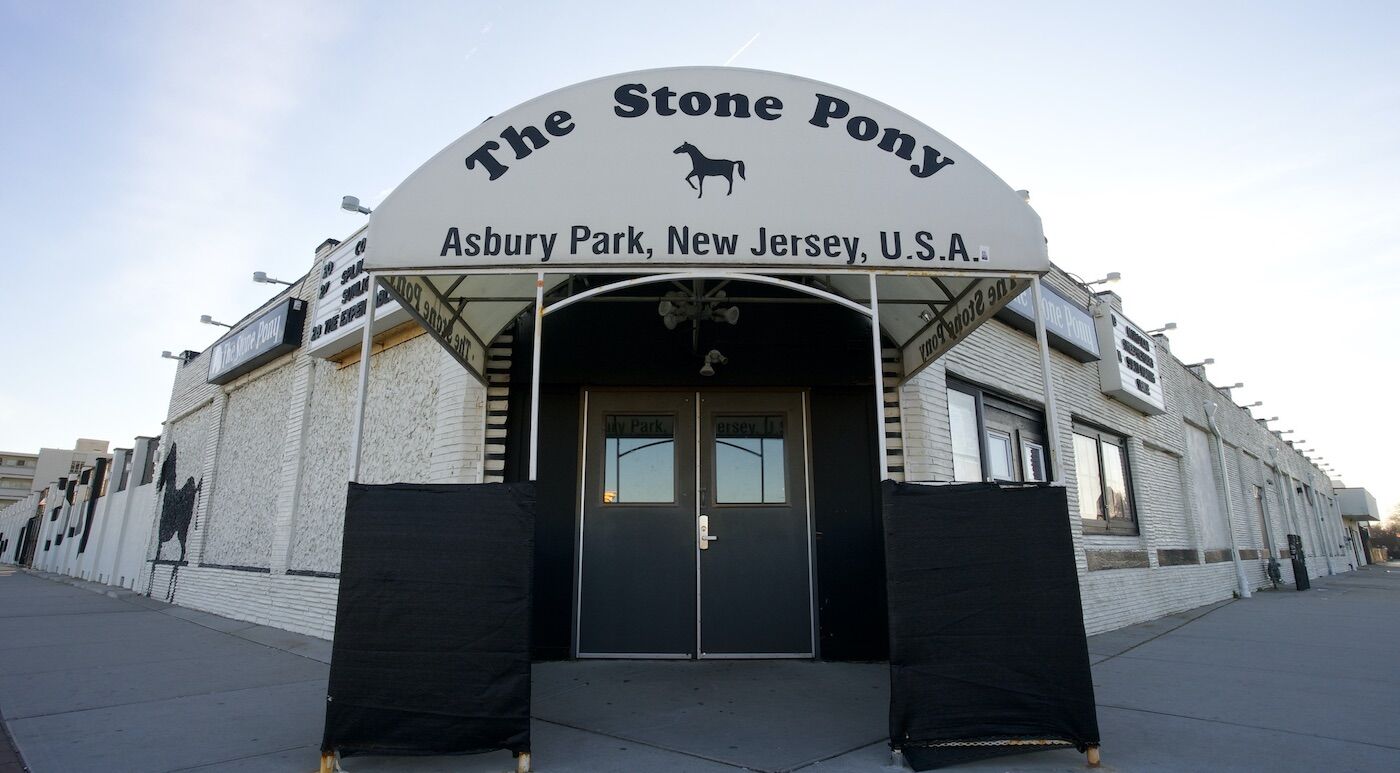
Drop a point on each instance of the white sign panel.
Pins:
(981, 301)
(705, 166)
(342, 302)
(1130, 373)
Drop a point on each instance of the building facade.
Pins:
(252, 473)
(709, 434)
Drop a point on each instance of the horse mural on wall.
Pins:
(702, 167)
(177, 504)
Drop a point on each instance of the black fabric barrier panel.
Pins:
(987, 644)
(432, 629)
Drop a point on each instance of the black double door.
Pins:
(694, 536)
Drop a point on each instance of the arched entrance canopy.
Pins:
(924, 314)
(705, 171)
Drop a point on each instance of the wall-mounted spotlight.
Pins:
(262, 278)
(1162, 329)
(1254, 404)
(1284, 431)
(713, 357)
(352, 204)
(1236, 385)
(1112, 278)
(208, 320)
(1206, 361)
(167, 355)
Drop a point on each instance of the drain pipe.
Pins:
(1229, 505)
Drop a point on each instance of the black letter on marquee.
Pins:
(955, 247)
(828, 107)
(932, 163)
(663, 101)
(483, 156)
(768, 108)
(557, 124)
(517, 140)
(452, 242)
(631, 100)
(727, 104)
(695, 103)
(862, 128)
(906, 143)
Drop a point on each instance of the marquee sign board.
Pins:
(268, 336)
(441, 319)
(1131, 375)
(705, 166)
(953, 323)
(1068, 326)
(342, 301)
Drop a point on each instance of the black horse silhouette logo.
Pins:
(177, 506)
(702, 167)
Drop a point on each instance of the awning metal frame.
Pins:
(770, 276)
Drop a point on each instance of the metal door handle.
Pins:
(705, 538)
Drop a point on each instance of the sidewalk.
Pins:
(95, 679)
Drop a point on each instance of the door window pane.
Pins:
(749, 460)
(999, 459)
(1115, 482)
(1033, 460)
(639, 459)
(962, 421)
(1086, 472)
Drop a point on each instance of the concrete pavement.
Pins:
(94, 679)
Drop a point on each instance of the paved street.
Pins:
(93, 679)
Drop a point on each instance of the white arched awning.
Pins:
(705, 171)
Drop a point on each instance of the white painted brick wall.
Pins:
(429, 421)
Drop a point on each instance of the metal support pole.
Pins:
(366, 344)
(1229, 500)
(879, 378)
(535, 380)
(1052, 412)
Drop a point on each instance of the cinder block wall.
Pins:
(269, 456)
(1005, 360)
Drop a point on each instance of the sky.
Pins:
(1238, 163)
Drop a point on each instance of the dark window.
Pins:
(639, 459)
(995, 438)
(1104, 482)
(148, 465)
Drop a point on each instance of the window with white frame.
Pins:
(995, 438)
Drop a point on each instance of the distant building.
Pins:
(1358, 510)
(16, 476)
(55, 463)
